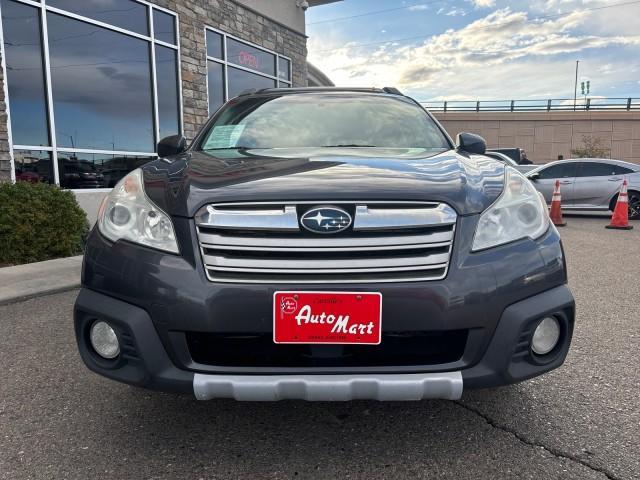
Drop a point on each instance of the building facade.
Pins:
(89, 87)
(548, 136)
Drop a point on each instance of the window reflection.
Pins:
(214, 44)
(92, 170)
(164, 27)
(239, 81)
(33, 166)
(167, 83)
(127, 14)
(25, 74)
(101, 87)
(249, 57)
(215, 84)
(284, 69)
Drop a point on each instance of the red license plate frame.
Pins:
(349, 318)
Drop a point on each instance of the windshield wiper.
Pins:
(347, 145)
(228, 148)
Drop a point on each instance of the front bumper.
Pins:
(145, 361)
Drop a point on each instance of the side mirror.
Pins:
(534, 176)
(171, 145)
(471, 143)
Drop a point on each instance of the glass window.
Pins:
(284, 69)
(101, 86)
(247, 56)
(33, 166)
(93, 170)
(589, 169)
(214, 44)
(167, 83)
(239, 81)
(618, 170)
(215, 84)
(25, 74)
(562, 170)
(322, 120)
(126, 14)
(164, 27)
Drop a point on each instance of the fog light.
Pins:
(546, 336)
(104, 340)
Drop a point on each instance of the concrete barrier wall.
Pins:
(546, 135)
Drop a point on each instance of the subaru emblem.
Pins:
(326, 220)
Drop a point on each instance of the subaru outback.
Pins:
(323, 244)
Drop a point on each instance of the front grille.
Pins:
(387, 242)
(396, 349)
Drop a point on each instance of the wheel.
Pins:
(634, 205)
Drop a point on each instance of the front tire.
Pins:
(634, 205)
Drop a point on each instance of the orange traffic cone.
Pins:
(620, 218)
(556, 208)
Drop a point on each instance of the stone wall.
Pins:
(193, 16)
(234, 19)
(545, 136)
(5, 157)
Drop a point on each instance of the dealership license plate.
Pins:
(327, 317)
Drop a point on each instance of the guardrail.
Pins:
(560, 104)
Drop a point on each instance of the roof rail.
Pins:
(248, 91)
(388, 90)
(392, 90)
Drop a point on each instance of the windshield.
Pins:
(323, 121)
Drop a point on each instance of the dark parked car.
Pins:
(516, 154)
(510, 161)
(323, 244)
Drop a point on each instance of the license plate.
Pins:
(327, 317)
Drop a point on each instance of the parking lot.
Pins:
(58, 420)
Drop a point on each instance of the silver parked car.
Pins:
(589, 183)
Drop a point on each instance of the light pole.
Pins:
(575, 87)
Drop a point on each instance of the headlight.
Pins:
(519, 212)
(126, 213)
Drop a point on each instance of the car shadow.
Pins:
(298, 436)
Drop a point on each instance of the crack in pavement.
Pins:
(553, 451)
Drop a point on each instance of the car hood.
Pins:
(181, 185)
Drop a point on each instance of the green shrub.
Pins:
(39, 222)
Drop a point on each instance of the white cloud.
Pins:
(419, 7)
(483, 3)
(502, 50)
(455, 12)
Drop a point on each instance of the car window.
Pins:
(593, 169)
(618, 170)
(322, 120)
(561, 170)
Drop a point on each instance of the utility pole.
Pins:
(575, 87)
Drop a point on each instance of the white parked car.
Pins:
(589, 183)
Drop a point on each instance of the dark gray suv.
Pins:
(323, 244)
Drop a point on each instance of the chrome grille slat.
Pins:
(214, 239)
(216, 261)
(389, 218)
(389, 242)
(409, 246)
(329, 270)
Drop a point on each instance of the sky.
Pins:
(479, 49)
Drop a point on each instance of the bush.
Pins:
(39, 222)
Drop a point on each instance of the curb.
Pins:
(23, 282)
(44, 293)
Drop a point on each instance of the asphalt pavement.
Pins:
(582, 421)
